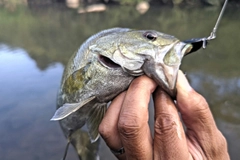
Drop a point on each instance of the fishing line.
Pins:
(198, 43)
(213, 33)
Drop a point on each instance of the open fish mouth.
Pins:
(187, 49)
(196, 43)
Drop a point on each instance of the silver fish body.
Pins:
(105, 65)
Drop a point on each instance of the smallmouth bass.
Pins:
(105, 65)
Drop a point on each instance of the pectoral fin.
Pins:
(69, 108)
(95, 118)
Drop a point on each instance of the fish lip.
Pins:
(183, 50)
(179, 49)
(166, 73)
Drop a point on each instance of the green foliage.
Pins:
(53, 34)
(128, 2)
(13, 3)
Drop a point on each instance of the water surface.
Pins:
(36, 42)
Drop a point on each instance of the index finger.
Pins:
(133, 125)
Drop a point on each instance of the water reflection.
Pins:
(223, 97)
(36, 42)
(220, 91)
(26, 104)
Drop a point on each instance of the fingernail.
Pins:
(182, 82)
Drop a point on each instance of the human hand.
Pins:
(126, 124)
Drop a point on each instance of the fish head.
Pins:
(153, 53)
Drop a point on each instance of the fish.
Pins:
(105, 65)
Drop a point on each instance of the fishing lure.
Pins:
(197, 43)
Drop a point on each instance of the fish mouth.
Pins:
(196, 43)
(187, 49)
(107, 62)
(172, 61)
(181, 50)
(167, 71)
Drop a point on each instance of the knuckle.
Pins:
(223, 142)
(193, 105)
(129, 127)
(199, 109)
(198, 101)
(164, 124)
(105, 131)
(216, 148)
(221, 145)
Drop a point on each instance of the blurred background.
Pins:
(37, 37)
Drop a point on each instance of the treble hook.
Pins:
(197, 43)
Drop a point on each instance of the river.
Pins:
(36, 42)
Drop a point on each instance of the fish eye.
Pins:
(149, 35)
